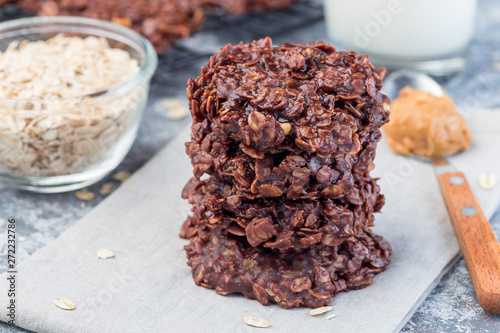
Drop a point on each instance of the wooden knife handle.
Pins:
(479, 246)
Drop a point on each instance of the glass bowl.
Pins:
(64, 144)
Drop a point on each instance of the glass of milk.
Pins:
(426, 35)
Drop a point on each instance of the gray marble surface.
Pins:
(451, 307)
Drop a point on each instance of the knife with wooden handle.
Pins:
(477, 241)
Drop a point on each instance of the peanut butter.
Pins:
(426, 125)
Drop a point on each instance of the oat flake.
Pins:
(64, 304)
(487, 181)
(106, 189)
(121, 176)
(105, 254)
(256, 322)
(320, 310)
(176, 109)
(85, 195)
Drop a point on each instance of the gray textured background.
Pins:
(451, 307)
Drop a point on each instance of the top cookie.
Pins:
(265, 103)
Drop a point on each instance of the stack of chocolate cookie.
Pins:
(287, 137)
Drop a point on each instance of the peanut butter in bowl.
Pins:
(425, 125)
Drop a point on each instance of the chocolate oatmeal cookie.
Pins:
(278, 223)
(309, 277)
(303, 109)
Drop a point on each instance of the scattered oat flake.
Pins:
(85, 195)
(22, 239)
(330, 317)
(106, 189)
(83, 205)
(121, 176)
(256, 322)
(487, 181)
(178, 113)
(176, 109)
(320, 310)
(496, 66)
(105, 254)
(65, 304)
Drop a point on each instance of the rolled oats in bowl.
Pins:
(72, 93)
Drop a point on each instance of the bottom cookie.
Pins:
(294, 278)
